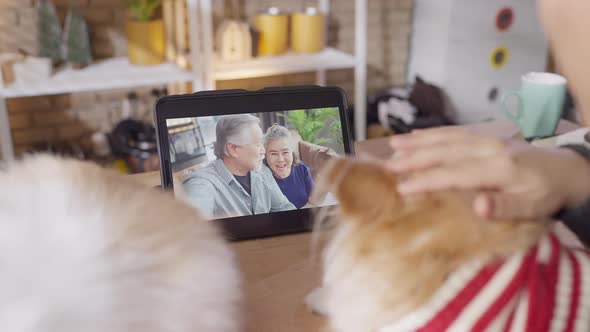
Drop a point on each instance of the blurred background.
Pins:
(81, 77)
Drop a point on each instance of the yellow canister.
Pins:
(273, 28)
(146, 45)
(307, 31)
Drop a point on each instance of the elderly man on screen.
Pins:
(236, 183)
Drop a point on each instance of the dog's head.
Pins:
(365, 190)
(370, 202)
(390, 253)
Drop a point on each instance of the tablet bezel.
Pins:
(225, 102)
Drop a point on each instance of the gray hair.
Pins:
(230, 129)
(276, 132)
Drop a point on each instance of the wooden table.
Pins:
(278, 272)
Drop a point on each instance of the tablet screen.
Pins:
(256, 163)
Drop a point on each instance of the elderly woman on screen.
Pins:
(292, 176)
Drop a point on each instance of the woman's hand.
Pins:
(514, 179)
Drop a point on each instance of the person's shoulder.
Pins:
(302, 168)
(302, 165)
(264, 171)
(207, 173)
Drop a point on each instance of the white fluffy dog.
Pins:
(83, 249)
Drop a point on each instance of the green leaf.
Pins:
(311, 123)
(143, 10)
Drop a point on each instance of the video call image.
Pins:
(249, 164)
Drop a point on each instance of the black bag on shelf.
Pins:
(135, 141)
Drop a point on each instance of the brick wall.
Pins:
(77, 116)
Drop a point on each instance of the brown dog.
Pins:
(428, 263)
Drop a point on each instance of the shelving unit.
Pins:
(211, 69)
(179, 129)
(283, 64)
(117, 73)
(181, 158)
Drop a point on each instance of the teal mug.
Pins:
(540, 104)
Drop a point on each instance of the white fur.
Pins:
(84, 250)
(349, 297)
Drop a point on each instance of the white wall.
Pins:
(453, 42)
(430, 39)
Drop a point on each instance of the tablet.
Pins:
(250, 159)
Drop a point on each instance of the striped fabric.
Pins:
(544, 289)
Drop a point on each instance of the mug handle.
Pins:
(513, 117)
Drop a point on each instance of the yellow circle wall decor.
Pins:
(499, 57)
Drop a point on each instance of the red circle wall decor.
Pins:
(505, 19)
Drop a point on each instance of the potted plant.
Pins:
(313, 124)
(145, 33)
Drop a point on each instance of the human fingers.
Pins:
(427, 137)
(476, 174)
(440, 154)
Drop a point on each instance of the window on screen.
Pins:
(248, 164)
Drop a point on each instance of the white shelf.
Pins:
(287, 63)
(116, 73)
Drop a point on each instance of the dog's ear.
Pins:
(363, 188)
